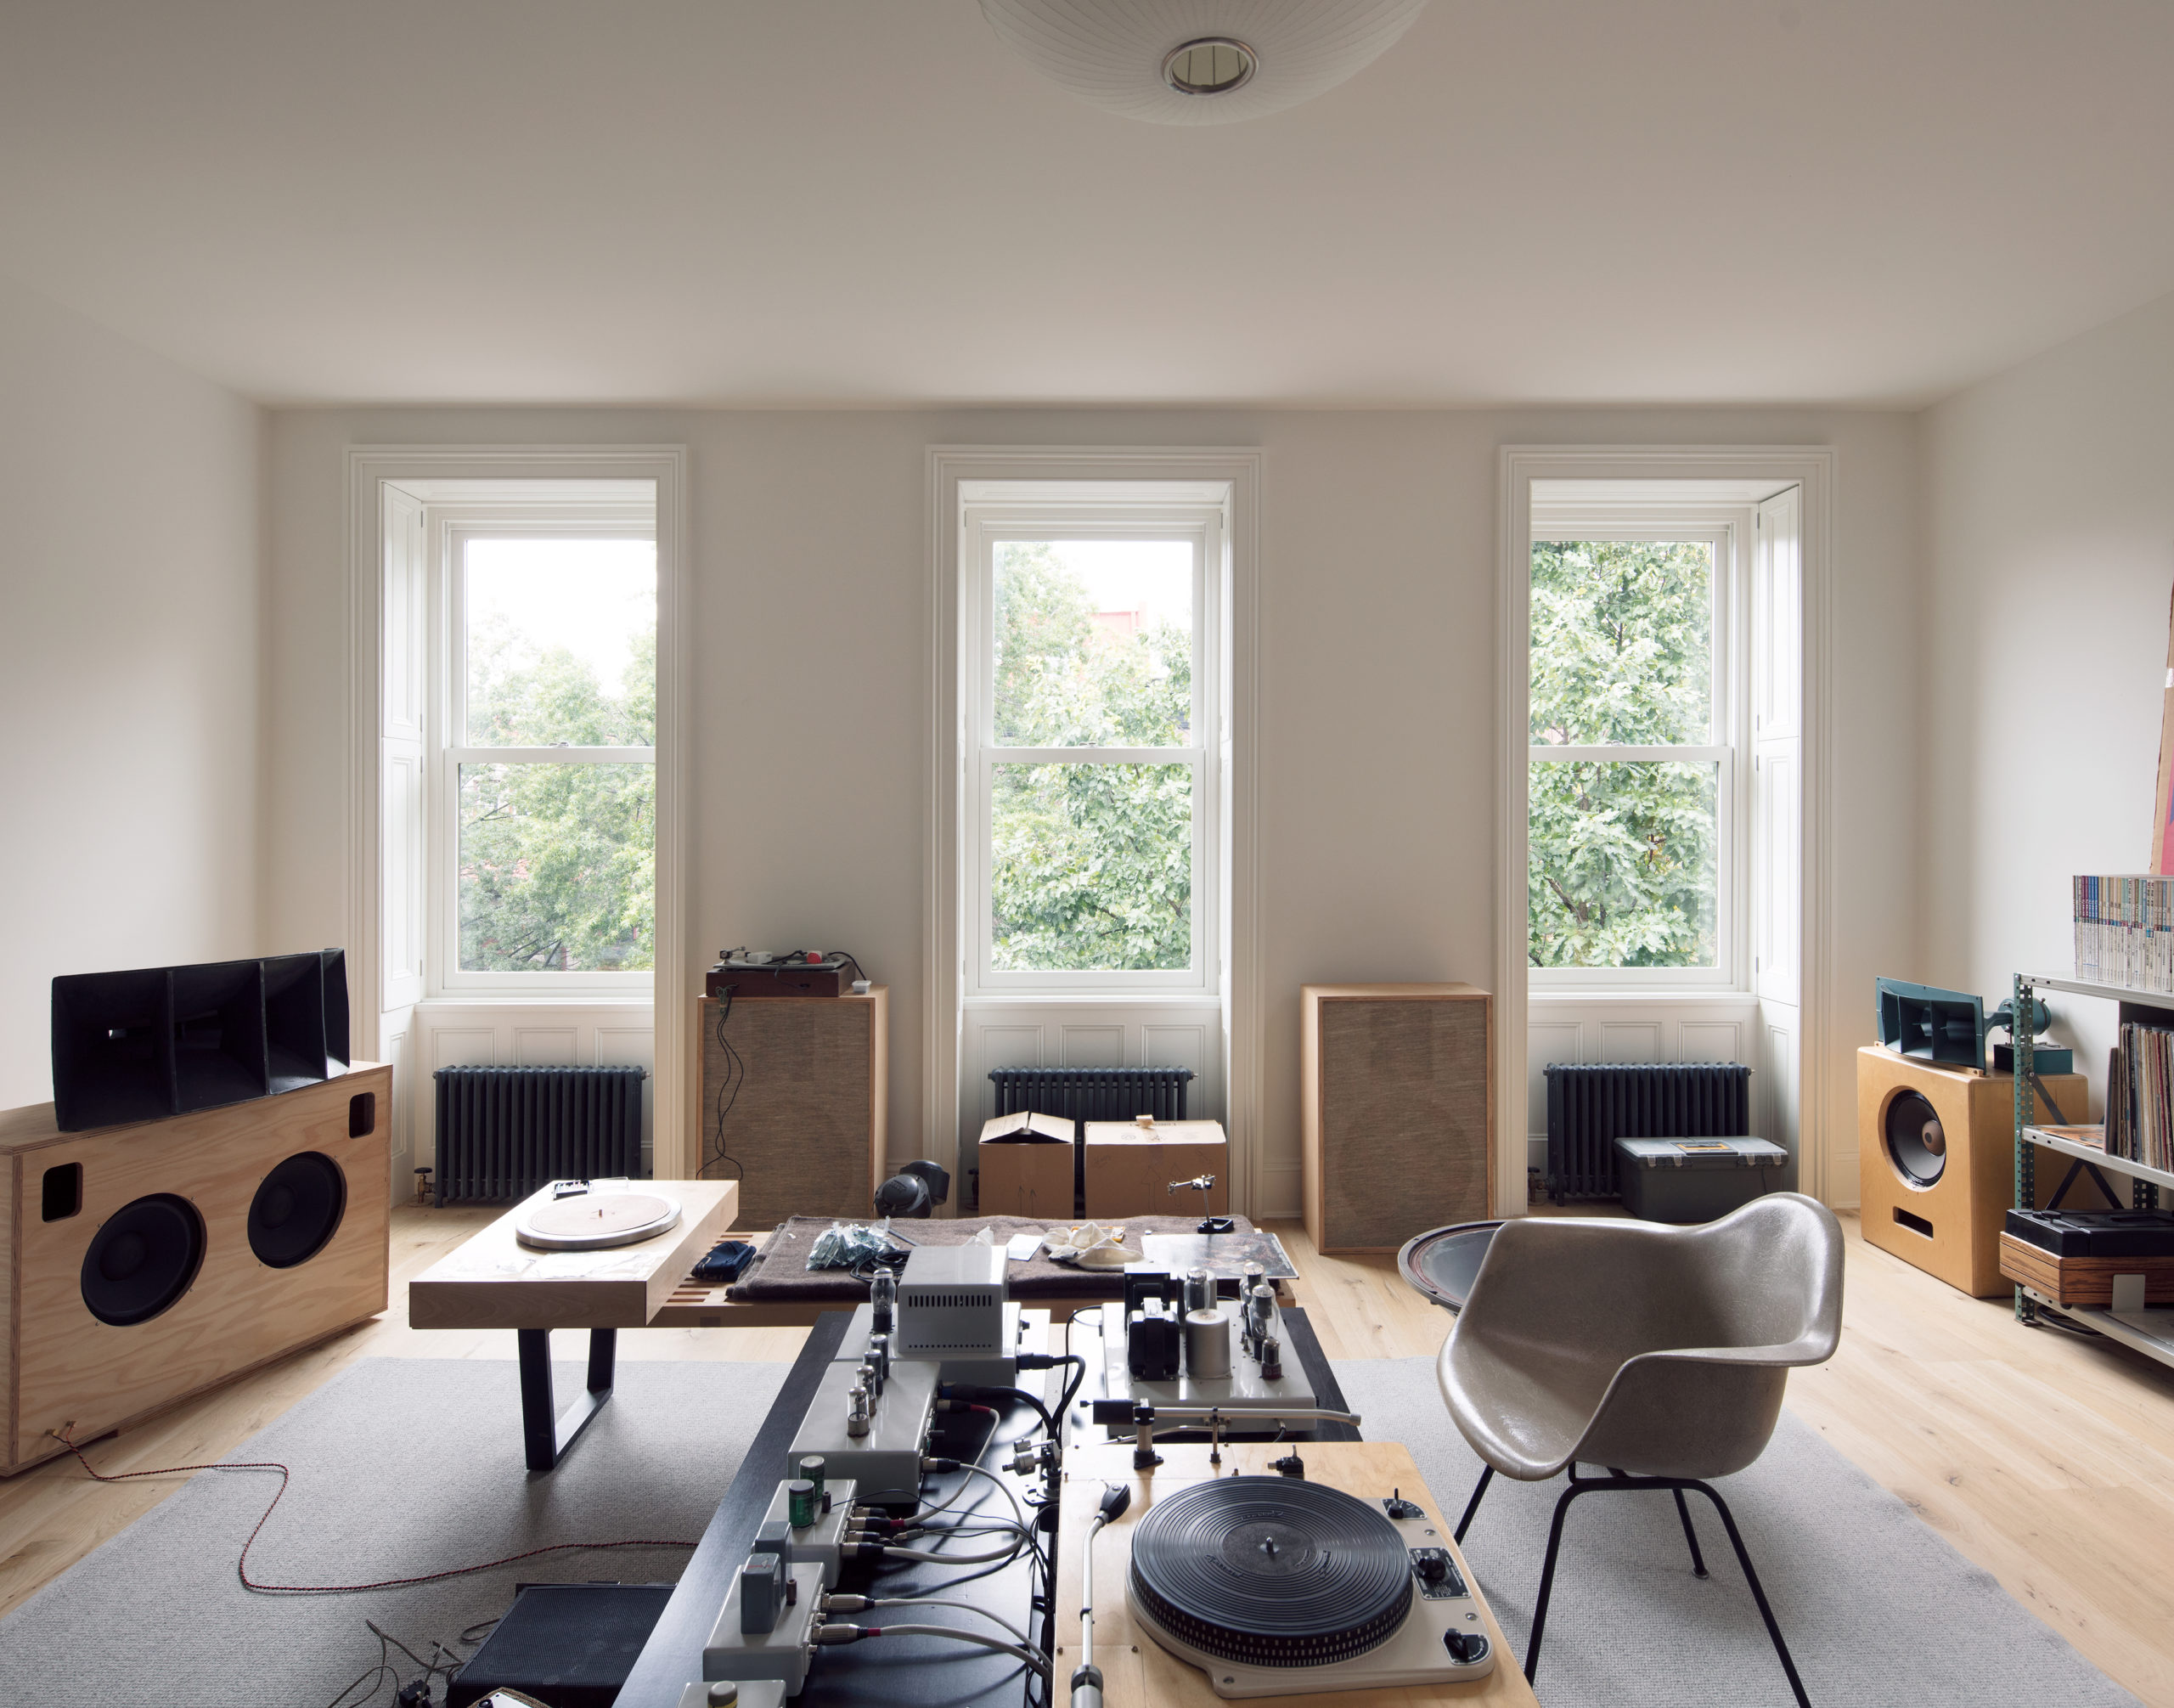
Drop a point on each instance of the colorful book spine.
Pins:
(2140, 1100)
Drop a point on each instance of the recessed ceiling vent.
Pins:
(1199, 62)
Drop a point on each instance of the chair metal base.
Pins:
(1675, 1485)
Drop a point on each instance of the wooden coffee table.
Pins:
(495, 1282)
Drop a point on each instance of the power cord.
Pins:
(286, 1475)
(735, 1076)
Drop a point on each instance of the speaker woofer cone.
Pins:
(142, 1258)
(1916, 1143)
(297, 1208)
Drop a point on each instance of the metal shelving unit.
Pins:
(2148, 1332)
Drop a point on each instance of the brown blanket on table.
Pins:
(780, 1276)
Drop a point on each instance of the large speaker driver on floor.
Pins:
(297, 1209)
(1916, 1141)
(142, 1259)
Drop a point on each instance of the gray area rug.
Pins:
(1878, 1609)
(401, 1466)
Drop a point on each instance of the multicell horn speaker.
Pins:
(150, 1261)
(1936, 1162)
(165, 1040)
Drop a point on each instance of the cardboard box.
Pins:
(1130, 1168)
(1026, 1162)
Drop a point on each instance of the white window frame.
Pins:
(1728, 531)
(450, 528)
(994, 514)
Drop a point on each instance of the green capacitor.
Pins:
(812, 1469)
(800, 1503)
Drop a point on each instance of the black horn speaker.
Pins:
(158, 1041)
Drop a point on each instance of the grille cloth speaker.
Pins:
(799, 1103)
(1404, 1119)
(297, 1209)
(142, 1259)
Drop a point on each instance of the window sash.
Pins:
(986, 525)
(1725, 530)
(453, 527)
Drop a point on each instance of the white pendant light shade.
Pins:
(1247, 58)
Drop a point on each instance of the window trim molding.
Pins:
(1813, 468)
(944, 974)
(370, 469)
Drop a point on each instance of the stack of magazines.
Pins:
(2140, 1100)
(2125, 930)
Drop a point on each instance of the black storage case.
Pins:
(2096, 1233)
(1684, 1180)
(569, 1644)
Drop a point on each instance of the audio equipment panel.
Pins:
(1396, 1108)
(1936, 1162)
(143, 1263)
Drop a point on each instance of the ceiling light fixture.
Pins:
(1199, 62)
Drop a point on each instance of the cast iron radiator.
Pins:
(504, 1132)
(1091, 1094)
(1588, 1108)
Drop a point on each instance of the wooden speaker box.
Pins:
(792, 1107)
(1396, 1111)
(1936, 1198)
(149, 1262)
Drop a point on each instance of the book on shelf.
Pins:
(2125, 930)
(2140, 1096)
(2092, 1137)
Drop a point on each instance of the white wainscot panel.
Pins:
(545, 1046)
(1178, 1047)
(1090, 1046)
(1631, 1040)
(1709, 1041)
(465, 1047)
(1546, 1041)
(631, 1046)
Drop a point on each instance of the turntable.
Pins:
(1276, 1587)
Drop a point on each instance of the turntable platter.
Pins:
(1269, 1572)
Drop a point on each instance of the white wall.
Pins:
(2049, 510)
(129, 632)
(809, 566)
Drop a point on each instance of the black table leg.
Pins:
(545, 1434)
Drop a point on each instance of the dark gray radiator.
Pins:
(504, 1132)
(1588, 1108)
(1091, 1094)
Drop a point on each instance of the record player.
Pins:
(1277, 1587)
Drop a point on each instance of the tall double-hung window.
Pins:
(1636, 765)
(1091, 708)
(543, 838)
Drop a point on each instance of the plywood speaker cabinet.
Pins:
(1396, 1111)
(149, 1262)
(1936, 1162)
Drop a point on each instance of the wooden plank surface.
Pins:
(2083, 1280)
(495, 1282)
(1137, 1672)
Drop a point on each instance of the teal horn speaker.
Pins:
(1946, 1028)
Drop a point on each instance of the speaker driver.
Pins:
(1916, 1144)
(142, 1259)
(297, 1209)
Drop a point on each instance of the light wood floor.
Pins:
(2046, 1460)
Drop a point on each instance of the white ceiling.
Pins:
(834, 201)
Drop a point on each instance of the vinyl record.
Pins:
(297, 1209)
(1916, 1143)
(142, 1259)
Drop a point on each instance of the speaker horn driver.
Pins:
(142, 1259)
(297, 1208)
(1916, 1143)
